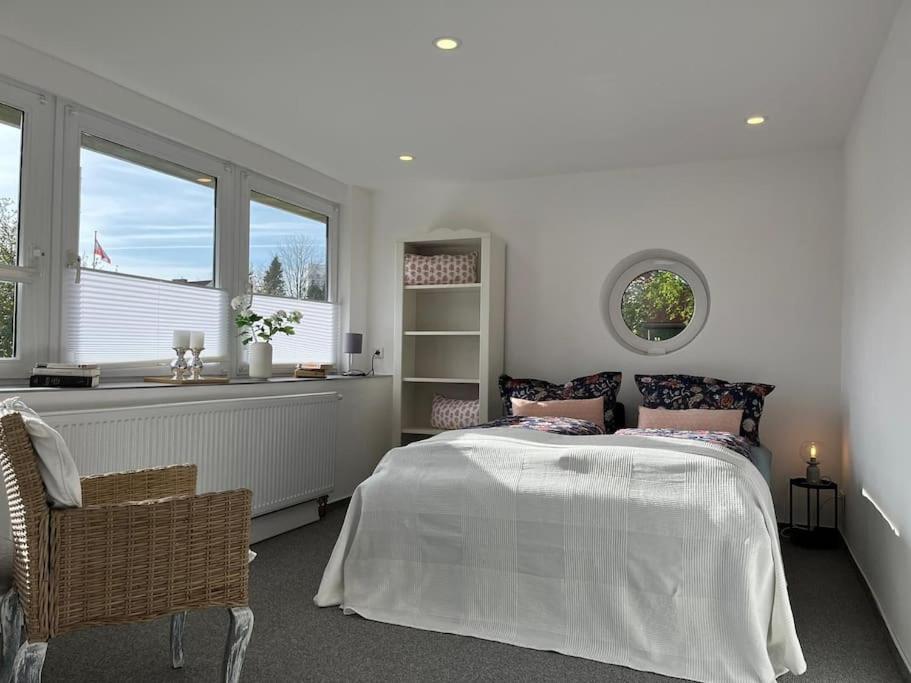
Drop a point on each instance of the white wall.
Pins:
(765, 232)
(877, 327)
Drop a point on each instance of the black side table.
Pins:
(809, 534)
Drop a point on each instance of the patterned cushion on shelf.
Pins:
(682, 392)
(605, 384)
(454, 413)
(568, 426)
(441, 269)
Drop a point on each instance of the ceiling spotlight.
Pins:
(204, 180)
(406, 157)
(447, 43)
(757, 120)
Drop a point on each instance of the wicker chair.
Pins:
(143, 546)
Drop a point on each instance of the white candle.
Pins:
(181, 339)
(197, 340)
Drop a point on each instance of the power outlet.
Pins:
(379, 353)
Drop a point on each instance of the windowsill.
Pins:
(9, 386)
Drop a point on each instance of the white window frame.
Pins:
(35, 216)
(254, 182)
(77, 121)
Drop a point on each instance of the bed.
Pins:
(647, 551)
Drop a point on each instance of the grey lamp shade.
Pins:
(352, 342)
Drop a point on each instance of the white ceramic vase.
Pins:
(260, 360)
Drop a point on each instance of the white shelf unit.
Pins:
(448, 338)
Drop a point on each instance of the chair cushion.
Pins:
(55, 462)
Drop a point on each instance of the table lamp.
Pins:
(810, 450)
(352, 343)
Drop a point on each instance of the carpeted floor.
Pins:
(842, 635)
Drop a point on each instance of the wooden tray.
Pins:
(201, 380)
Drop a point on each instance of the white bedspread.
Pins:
(648, 552)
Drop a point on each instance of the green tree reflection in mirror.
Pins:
(657, 305)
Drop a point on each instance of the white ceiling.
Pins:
(539, 86)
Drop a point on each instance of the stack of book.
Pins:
(312, 370)
(64, 375)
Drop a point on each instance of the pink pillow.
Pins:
(591, 409)
(694, 420)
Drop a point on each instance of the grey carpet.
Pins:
(842, 635)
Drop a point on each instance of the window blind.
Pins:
(314, 338)
(114, 318)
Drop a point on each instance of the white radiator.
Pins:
(282, 448)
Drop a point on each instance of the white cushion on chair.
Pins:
(55, 462)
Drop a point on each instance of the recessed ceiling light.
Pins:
(204, 180)
(757, 120)
(447, 43)
(406, 157)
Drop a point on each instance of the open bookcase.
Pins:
(448, 338)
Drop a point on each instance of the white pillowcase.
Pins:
(55, 462)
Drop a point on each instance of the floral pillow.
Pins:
(605, 384)
(682, 392)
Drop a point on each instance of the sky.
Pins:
(161, 226)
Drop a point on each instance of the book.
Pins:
(312, 370)
(68, 366)
(67, 372)
(309, 374)
(67, 381)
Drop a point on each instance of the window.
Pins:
(291, 268)
(146, 245)
(658, 304)
(142, 215)
(26, 180)
(153, 237)
(289, 249)
(10, 181)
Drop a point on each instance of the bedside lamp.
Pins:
(809, 450)
(352, 343)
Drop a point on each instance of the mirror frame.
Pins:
(643, 265)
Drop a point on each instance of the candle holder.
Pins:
(196, 364)
(179, 364)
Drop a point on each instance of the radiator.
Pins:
(282, 448)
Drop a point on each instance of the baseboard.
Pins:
(896, 648)
(281, 521)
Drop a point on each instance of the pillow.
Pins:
(55, 462)
(453, 413)
(590, 409)
(441, 269)
(691, 420)
(679, 392)
(604, 384)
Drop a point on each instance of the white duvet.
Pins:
(648, 552)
